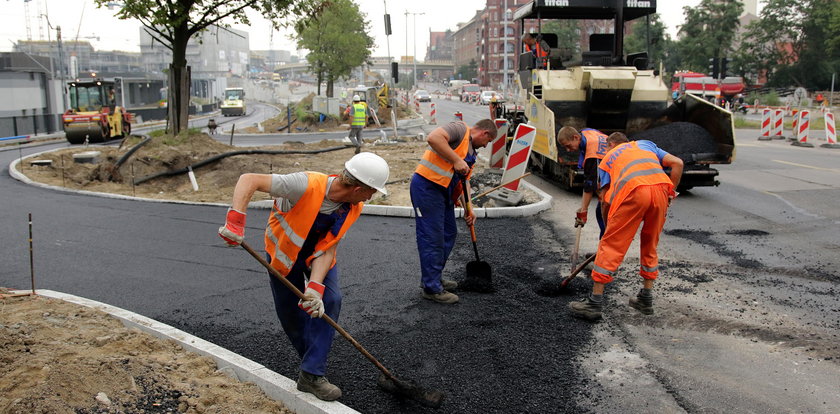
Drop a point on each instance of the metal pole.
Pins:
(504, 47)
(831, 96)
(31, 258)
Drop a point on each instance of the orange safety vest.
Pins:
(593, 136)
(539, 50)
(286, 232)
(437, 169)
(629, 167)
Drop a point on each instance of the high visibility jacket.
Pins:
(629, 167)
(436, 168)
(359, 114)
(596, 144)
(537, 50)
(286, 232)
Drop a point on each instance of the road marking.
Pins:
(807, 166)
(794, 207)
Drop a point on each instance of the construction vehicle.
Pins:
(605, 89)
(374, 96)
(94, 115)
(706, 86)
(234, 102)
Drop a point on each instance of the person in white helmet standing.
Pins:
(358, 113)
(311, 213)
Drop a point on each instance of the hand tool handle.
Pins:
(576, 249)
(468, 210)
(499, 186)
(325, 317)
(576, 271)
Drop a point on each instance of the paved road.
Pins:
(747, 316)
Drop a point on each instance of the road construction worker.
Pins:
(358, 112)
(538, 48)
(635, 190)
(311, 213)
(495, 107)
(435, 186)
(592, 145)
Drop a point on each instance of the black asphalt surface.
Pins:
(510, 351)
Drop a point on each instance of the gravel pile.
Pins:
(681, 139)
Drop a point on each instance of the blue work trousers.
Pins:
(434, 213)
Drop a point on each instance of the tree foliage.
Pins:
(709, 31)
(468, 71)
(797, 42)
(660, 40)
(173, 22)
(337, 39)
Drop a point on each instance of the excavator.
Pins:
(605, 89)
(94, 115)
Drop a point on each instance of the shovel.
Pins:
(576, 249)
(479, 273)
(577, 270)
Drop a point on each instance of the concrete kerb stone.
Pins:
(369, 209)
(274, 385)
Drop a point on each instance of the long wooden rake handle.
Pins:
(326, 317)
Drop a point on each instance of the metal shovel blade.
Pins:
(479, 277)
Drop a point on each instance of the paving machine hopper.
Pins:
(94, 114)
(605, 89)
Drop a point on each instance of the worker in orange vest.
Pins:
(311, 213)
(635, 191)
(435, 185)
(592, 145)
(538, 48)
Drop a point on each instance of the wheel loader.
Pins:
(94, 115)
(605, 89)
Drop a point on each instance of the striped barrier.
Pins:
(778, 123)
(432, 115)
(765, 125)
(802, 128)
(497, 146)
(830, 132)
(520, 152)
(417, 105)
(793, 127)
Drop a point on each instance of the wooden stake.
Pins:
(31, 258)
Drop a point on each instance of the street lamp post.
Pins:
(414, 55)
(504, 47)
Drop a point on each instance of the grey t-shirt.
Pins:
(287, 189)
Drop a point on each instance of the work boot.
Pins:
(444, 297)
(643, 302)
(586, 309)
(449, 284)
(358, 149)
(318, 386)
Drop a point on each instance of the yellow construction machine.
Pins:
(94, 114)
(605, 89)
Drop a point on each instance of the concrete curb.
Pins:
(369, 209)
(242, 369)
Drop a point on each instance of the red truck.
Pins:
(469, 92)
(705, 86)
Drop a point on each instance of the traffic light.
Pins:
(723, 63)
(714, 67)
(395, 71)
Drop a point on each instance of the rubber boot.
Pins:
(586, 309)
(643, 302)
(318, 386)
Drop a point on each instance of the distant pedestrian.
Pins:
(635, 192)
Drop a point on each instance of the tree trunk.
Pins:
(179, 84)
(330, 82)
(320, 78)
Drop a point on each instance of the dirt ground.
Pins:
(215, 180)
(59, 357)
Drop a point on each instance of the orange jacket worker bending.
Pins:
(635, 192)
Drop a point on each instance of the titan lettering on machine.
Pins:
(638, 3)
(557, 3)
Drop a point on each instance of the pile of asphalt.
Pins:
(508, 351)
(681, 139)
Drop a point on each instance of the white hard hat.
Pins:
(370, 169)
(356, 98)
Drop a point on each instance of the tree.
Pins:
(468, 71)
(337, 39)
(568, 37)
(708, 32)
(796, 42)
(173, 22)
(660, 41)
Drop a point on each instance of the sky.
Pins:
(81, 19)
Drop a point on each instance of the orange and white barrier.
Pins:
(417, 105)
(778, 122)
(432, 115)
(765, 125)
(830, 130)
(497, 146)
(520, 152)
(803, 126)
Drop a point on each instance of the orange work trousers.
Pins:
(646, 206)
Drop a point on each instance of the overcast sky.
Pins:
(81, 19)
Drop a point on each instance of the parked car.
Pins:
(422, 96)
(487, 96)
